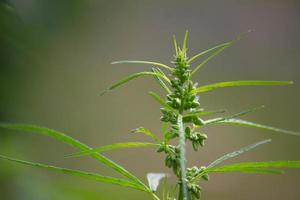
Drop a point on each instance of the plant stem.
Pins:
(183, 193)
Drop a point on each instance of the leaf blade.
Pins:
(112, 147)
(213, 86)
(147, 133)
(256, 125)
(225, 46)
(203, 113)
(160, 81)
(245, 112)
(142, 62)
(131, 77)
(207, 51)
(161, 101)
(87, 175)
(237, 153)
(73, 143)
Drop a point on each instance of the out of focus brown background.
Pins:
(55, 60)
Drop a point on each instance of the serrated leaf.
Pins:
(131, 77)
(213, 86)
(154, 179)
(245, 112)
(237, 153)
(87, 175)
(160, 81)
(147, 133)
(74, 143)
(161, 101)
(112, 147)
(142, 62)
(222, 48)
(255, 125)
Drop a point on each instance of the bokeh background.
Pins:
(55, 60)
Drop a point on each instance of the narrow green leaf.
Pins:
(213, 86)
(222, 48)
(219, 119)
(142, 62)
(255, 125)
(160, 81)
(131, 77)
(237, 153)
(184, 49)
(247, 170)
(161, 101)
(256, 165)
(175, 45)
(203, 113)
(87, 175)
(112, 147)
(74, 143)
(207, 51)
(147, 133)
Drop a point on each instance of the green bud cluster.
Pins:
(193, 187)
(182, 101)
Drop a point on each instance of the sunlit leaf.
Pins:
(142, 62)
(134, 76)
(87, 175)
(213, 86)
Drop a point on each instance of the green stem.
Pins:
(183, 193)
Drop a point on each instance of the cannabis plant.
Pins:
(182, 122)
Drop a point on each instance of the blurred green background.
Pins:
(55, 59)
